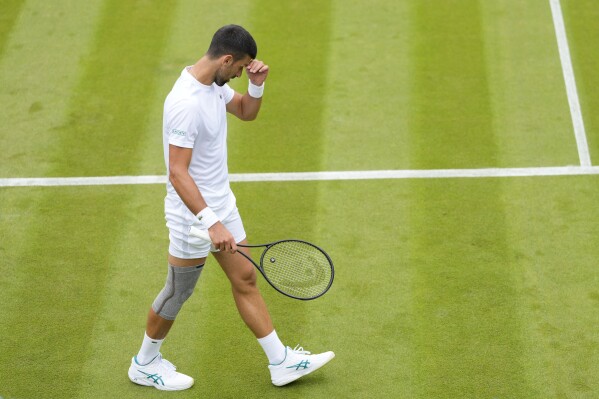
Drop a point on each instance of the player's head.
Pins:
(232, 40)
(234, 48)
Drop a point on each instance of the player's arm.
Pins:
(179, 160)
(247, 106)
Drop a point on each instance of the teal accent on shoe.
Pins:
(156, 378)
(303, 364)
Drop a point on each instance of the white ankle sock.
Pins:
(273, 347)
(149, 350)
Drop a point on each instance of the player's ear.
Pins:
(227, 59)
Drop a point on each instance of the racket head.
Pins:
(298, 269)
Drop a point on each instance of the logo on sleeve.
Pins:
(178, 132)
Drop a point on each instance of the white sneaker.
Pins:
(297, 363)
(159, 373)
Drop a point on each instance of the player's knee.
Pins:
(185, 296)
(180, 284)
(245, 279)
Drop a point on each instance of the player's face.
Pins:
(232, 71)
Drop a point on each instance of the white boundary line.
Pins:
(314, 176)
(564, 52)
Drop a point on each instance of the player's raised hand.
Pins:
(257, 72)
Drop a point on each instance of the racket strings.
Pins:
(297, 268)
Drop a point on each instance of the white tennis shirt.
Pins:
(195, 116)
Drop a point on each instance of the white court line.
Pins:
(314, 176)
(564, 52)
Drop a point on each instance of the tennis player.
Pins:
(198, 193)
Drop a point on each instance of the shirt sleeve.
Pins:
(183, 125)
(228, 93)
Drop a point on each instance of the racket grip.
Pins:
(201, 234)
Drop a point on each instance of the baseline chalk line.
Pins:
(313, 176)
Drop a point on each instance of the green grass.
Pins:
(445, 288)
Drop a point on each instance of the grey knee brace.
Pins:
(179, 286)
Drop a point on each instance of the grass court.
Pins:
(445, 287)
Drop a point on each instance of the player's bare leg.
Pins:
(156, 326)
(250, 304)
(291, 364)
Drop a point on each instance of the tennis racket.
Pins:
(295, 268)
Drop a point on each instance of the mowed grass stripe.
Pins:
(110, 104)
(364, 225)
(368, 87)
(60, 275)
(467, 334)
(294, 39)
(370, 307)
(10, 13)
(38, 70)
(552, 238)
(583, 38)
(467, 328)
(451, 119)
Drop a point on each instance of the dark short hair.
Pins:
(234, 40)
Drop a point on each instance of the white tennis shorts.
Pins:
(179, 220)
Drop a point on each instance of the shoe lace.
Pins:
(168, 365)
(300, 351)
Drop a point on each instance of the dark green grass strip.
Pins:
(466, 329)
(553, 235)
(293, 38)
(451, 124)
(9, 13)
(110, 104)
(365, 226)
(582, 28)
(467, 326)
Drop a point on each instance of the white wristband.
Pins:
(207, 217)
(256, 91)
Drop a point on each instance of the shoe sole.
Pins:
(146, 383)
(290, 379)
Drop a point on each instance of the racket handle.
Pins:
(201, 234)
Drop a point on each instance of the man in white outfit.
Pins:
(198, 193)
